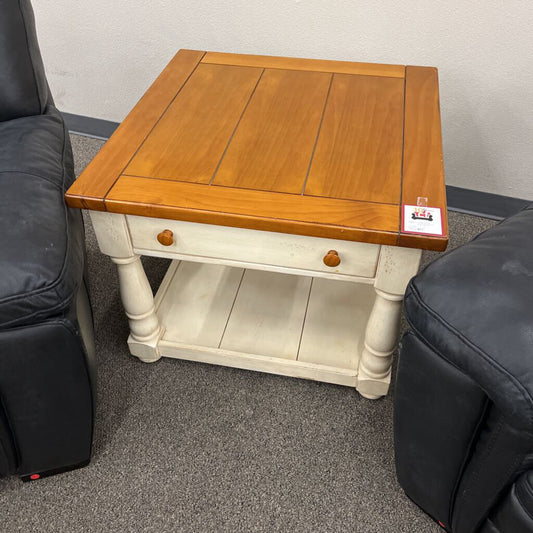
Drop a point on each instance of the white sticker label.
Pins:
(424, 220)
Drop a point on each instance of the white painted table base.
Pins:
(269, 312)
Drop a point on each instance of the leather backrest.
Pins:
(23, 86)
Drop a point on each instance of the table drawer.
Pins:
(246, 247)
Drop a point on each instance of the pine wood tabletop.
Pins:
(312, 147)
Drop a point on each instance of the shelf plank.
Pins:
(335, 323)
(259, 363)
(197, 303)
(268, 314)
(260, 317)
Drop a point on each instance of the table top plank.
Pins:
(197, 126)
(307, 147)
(89, 191)
(359, 150)
(274, 141)
(423, 168)
(295, 63)
(304, 215)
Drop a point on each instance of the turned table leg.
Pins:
(380, 340)
(396, 267)
(135, 291)
(138, 301)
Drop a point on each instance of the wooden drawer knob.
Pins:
(166, 237)
(332, 259)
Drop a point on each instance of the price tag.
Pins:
(421, 219)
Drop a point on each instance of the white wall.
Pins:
(101, 56)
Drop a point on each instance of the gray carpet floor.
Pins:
(189, 447)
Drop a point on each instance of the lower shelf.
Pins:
(297, 326)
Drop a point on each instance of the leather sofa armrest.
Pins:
(473, 306)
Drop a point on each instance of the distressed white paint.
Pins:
(101, 56)
(252, 248)
(261, 320)
(395, 269)
(114, 240)
(268, 315)
(260, 326)
(198, 301)
(112, 233)
(259, 363)
(335, 323)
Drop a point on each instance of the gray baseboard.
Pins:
(483, 204)
(90, 127)
(467, 201)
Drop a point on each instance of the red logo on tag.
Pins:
(421, 213)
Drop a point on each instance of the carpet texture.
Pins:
(189, 447)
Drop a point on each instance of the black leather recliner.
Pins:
(46, 345)
(464, 393)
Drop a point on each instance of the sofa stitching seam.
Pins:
(523, 505)
(40, 176)
(520, 498)
(507, 475)
(474, 475)
(18, 455)
(527, 484)
(40, 313)
(467, 455)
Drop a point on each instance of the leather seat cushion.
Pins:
(36, 242)
(475, 306)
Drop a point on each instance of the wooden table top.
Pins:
(312, 147)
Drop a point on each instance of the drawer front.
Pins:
(243, 246)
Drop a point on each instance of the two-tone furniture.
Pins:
(290, 195)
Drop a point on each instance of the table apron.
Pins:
(262, 250)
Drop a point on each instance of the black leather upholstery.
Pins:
(35, 170)
(46, 347)
(464, 395)
(514, 512)
(433, 430)
(49, 415)
(23, 86)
